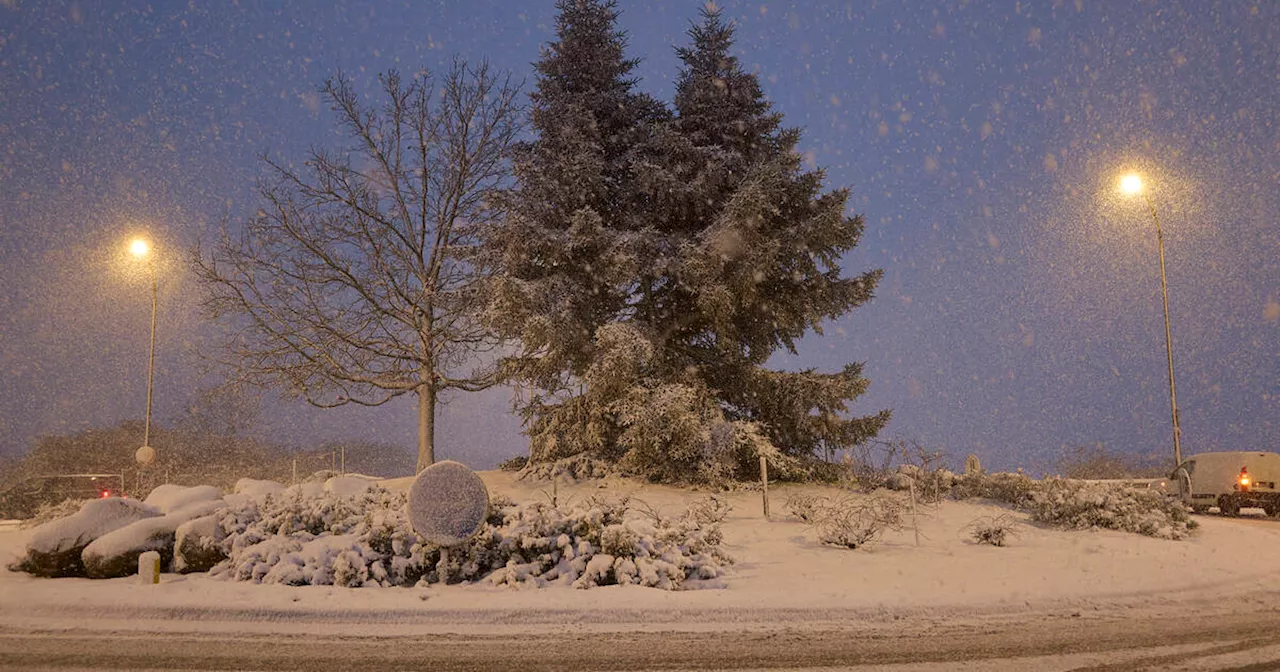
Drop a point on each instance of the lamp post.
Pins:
(1131, 185)
(142, 249)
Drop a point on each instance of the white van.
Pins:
(1229, 481)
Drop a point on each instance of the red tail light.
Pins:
(106, 493)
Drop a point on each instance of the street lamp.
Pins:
(141, 249)
(1131, 185)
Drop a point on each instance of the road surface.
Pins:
(1097, 643)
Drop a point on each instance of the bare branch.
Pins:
(357, 281)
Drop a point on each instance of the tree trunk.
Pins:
(426, 426)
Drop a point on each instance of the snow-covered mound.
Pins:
(350, 485)
(116, 553)
(170, 497)
(197, 545)
(54, 548)
(258, 489)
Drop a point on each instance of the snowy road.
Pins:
(1157, 641)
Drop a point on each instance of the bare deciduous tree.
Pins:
(357, 282)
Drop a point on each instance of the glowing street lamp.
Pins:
(1131, 185)
(141, 249)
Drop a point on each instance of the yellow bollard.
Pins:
(149, 567)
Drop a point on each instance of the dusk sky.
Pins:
(1020, 311)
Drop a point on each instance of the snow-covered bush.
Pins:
(851, 522)
(196, 546)
(637, 421)
(51, 512)
(580, 467)
(674, 434)
(668, 432)
(808, 508)
(1015, 489)
(855, 524)
(931, 485)
(603, 542)
(514, 463)
(300, 539)
(992, 530)
(116, 553)
(1084, 505)
(710, 510)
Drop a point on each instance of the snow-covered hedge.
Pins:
(323, 539)
(1015, 489)
(1084, 505)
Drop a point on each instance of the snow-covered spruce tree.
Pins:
(569, 248)
(727, 250)
(762, 266)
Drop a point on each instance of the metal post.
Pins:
(1168, 340)
(151, 361)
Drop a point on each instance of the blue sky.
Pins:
(1020, 311)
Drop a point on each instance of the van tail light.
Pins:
(1244, 478)
(106, 493)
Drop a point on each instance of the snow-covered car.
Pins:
(1229, 481)
(25, 498)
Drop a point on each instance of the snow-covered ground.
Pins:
(781, 574)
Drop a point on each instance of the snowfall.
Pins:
(781, 573)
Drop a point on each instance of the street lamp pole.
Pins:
(140, 249)
(151, 358)
(1168, 337)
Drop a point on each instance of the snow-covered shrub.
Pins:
(1084, 505)
(710, 510)
(196, 545)
(857, 524)
(581, 467)
(808, 508)
(643, 423)
(674, 433)
(992, 530)
(667, 435)
(514, 463)
(1081, 504)
(50, 512)
(851, 522)
(602, 542)
(1015, 489)
(931, 485)
(323, 539)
